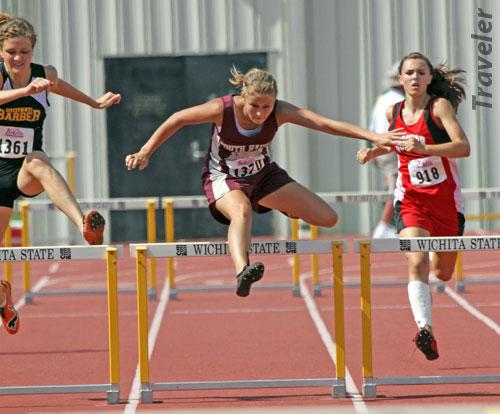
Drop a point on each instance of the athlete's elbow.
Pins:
(462, 150)
(466, 150)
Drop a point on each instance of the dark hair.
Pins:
(446, 83)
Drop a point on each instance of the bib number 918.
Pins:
(427, 176)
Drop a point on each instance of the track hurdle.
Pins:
(148, 204)
(190, 202)
(65, 253)
(423, 244)
(142, 251)
(169, 203)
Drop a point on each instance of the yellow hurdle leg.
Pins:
(296, 259)
(338, 306)
(459, 274)
(142, 322)
(151, 230)
(25, 242)
(168, 207)
(114, 343)
(314, 265)
(70, 164)
(366, 320)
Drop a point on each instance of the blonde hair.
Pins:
(16, 27)
(5, 17)
(254, 82)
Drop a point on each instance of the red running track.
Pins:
(213, 336)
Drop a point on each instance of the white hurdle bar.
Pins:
(418, 244)
(148, 204)
(65, 253)
(111, 204)
(199, 201)
(335, 248)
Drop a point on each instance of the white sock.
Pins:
(420, 302)
(379, 230)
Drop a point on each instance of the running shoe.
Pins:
(249, 275)
(10, 317)
(426, 342)
(93, 227)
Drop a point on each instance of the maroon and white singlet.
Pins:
(238, 159)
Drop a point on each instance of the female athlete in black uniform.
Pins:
(25, 170)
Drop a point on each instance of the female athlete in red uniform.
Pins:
(427, 197)
(238, 175)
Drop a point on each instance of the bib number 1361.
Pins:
(9, 147)
(15, 142)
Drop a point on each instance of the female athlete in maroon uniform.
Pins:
(238, 176)
(427, 196)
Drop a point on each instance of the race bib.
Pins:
(245, 167)
(427, 171)
(15, 142)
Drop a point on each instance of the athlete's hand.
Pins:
(389, 139)
(363, 155)
(137, 160)
(414, 145)
(38, 85)
(108, 99)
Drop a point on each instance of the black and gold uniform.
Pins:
(21, 132)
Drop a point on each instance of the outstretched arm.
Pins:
(366, 154)
(63, 88)
(209, 112)
(309, 119)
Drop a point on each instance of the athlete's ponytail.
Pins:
(255, 81)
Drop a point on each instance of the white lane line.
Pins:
(135, 393)
(54, 267)
(42, 282)
(38, 286)
(472, 310)
(352, 390)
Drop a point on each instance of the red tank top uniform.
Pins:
(235, 161)
(427, 192)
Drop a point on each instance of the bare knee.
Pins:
(240, 212)
(329, 219)
(443, 275)
(419, 269)
(37, 166)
